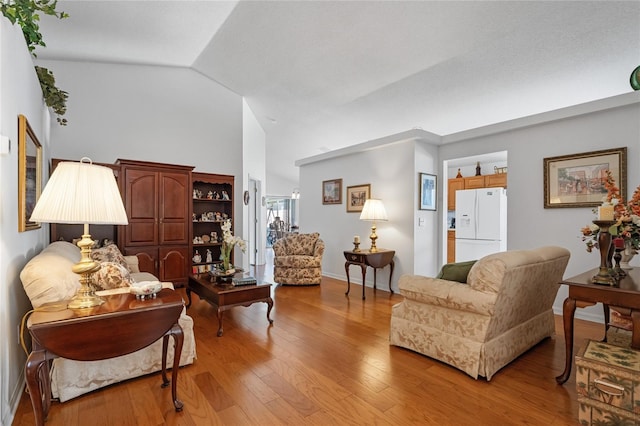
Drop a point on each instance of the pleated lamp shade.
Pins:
(81, 193)
(373, 209)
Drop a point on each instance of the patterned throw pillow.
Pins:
(112, 275)
(110, 253)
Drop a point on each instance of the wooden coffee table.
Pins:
(224, 295)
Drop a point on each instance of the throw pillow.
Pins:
(456, 271)
(112, 275)
(110, 253)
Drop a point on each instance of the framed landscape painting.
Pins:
(332, 191)
(578, 180)
(427, 191)
(356, 197)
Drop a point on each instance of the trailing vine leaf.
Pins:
(25, 13)
(53, 97)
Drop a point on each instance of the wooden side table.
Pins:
(364, 258)
(582, 292)
(121, 325)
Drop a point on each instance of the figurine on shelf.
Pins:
(225, 195)
(216, 196)
(214, 237)
(194, 217)
(218, 216)
(209, 256)
(210, 195)
(195, 193)
(204, 218)
(197, 258)
(459, 175)
(225, 216)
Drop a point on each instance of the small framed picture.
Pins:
(332, 191)
(427, 191)
(356, 197)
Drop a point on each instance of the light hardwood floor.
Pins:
(327, 360)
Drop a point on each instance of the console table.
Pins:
(364, 258)
(626, 294)
(121, 325)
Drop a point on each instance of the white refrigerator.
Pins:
(481, 222)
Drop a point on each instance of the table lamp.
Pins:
(82, 193)
(373, 210)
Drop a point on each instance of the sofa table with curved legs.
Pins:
(121, 325)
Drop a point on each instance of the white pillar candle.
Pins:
(605, 212)
(356, 239)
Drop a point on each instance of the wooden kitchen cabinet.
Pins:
(495, 181)
(157, 198)
(451, 246)
(453, 186)
(473, 182)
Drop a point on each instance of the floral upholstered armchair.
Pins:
(502, 309)
(298, 259)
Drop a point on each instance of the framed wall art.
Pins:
(356, 197)
(577, 180)
(427, 191)
(332, 191)
(29, 174)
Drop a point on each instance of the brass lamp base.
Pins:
(373, 237)
(86, 267)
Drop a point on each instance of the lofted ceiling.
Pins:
(324, 75)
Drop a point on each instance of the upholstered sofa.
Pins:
(298, 259)
(47, 277)
(503, 309)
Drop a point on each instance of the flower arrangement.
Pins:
(626, 215)
(228, 243)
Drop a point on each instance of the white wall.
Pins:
(149, 113)
(391, 171)
(425, 222)
(254, 154)
(529, 223)
(19, 94)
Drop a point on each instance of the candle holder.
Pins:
(617, 270)
(356, 246)
(604, 275)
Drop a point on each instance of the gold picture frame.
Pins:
(577, 180)
(356, 197)
(29, 174)
(332, 191)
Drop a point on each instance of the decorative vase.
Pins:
(627, 255)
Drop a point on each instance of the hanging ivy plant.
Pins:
(26, 14)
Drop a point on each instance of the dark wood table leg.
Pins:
(568, 311)
(178, 340)
(391, 265)
(37, 377)
(220, 313)
(364, 277)
(346, 269)
(269, 303)
(375, 278)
